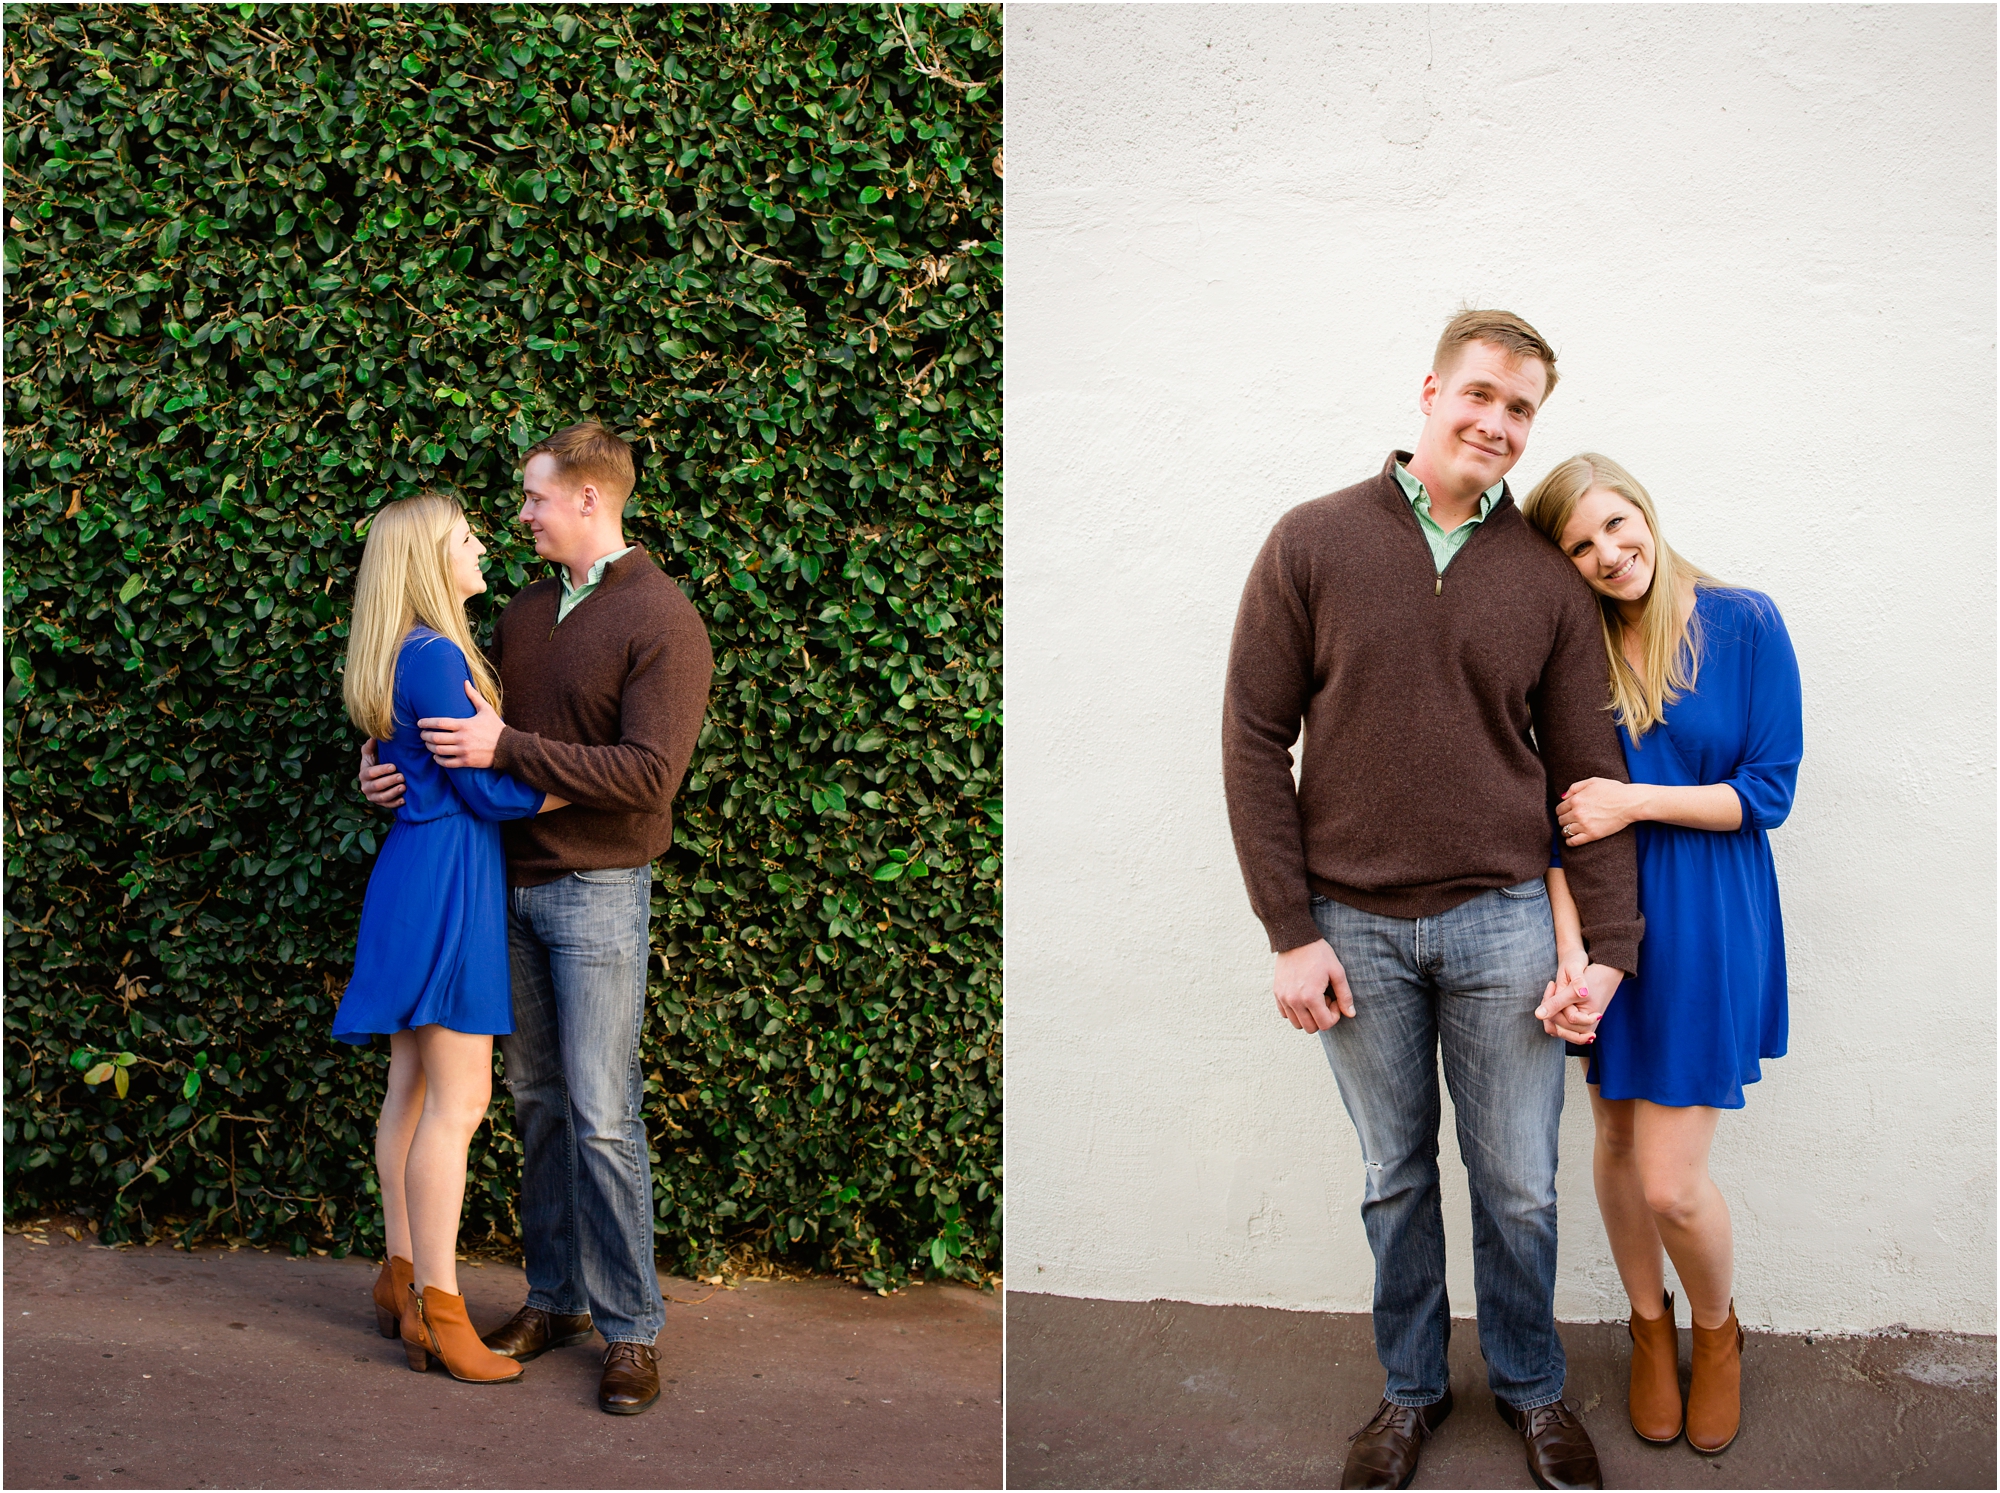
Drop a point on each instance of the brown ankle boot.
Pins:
(1656, 1379)
(1715, 1393)
(392, 1290)
(437, 1324)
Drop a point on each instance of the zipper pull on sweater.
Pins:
(1440, 585)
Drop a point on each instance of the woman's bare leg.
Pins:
(458, 1078)
(1621, 1198)
(401, 1107)
(1671, 1148)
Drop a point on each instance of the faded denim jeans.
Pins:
(1464, 984)
(577, 952)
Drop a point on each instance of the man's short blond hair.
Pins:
(1500, 329)
(589, 453)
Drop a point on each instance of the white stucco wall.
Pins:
(1762, 241)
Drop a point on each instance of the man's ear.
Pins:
(589, 494)
(1428, 395)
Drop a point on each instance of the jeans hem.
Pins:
(544, 1305)
(644, 1342)
(1414, 1404)
(1537, 1405)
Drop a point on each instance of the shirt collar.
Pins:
(1420, 497)
(596, 571)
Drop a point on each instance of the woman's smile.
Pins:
(1608, 541)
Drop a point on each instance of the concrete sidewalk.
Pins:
(1161, 1394)
(153, 1368)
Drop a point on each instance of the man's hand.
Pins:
(1300, 985)
(1595, 808)
(381, 783)
(1571, 1008)
(458, 742)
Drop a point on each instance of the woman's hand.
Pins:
(1595, 808)
(1573, 1003)
(1564, 1011)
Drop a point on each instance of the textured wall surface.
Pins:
(1762, 241)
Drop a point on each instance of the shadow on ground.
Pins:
(155, 1368)
(1162, 1394)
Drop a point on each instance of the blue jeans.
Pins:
(577, 952)
(1464, 984)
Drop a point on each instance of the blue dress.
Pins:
(1709, 1000)
(433, 941)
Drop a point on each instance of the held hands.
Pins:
(1575, 1000)
(459, 742)
(1301, 982)
(1596, 808)
(381, 783)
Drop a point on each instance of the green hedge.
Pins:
(270, 266)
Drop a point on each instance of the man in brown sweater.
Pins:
(1448, 668)
(605, 673)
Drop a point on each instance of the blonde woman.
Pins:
(1706, 691)
(430, 964)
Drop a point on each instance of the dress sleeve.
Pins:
(434, 677)
(1767, 775)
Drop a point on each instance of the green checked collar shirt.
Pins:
(1443, 545)
(571, 595)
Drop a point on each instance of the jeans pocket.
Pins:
(619, 876)
(1526, 891)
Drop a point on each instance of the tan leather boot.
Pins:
(392, 1291)
(436, 1324)
(1715, 1392)
(1656, 1379)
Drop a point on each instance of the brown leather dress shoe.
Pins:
(1383, 1453)
(531, 1332)
(631, 1379)
(1559, 1451)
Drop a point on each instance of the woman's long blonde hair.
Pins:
(405, 579)
(1669, 648)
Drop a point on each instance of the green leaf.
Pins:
(134, 584)
(890, 870)
(190, 1086)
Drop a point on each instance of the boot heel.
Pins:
(420, 1359)
(386, 1323)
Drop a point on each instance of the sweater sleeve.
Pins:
(433, 680)
(1578, 740)
(1269, 685)
(660, 706)
(1775, 742)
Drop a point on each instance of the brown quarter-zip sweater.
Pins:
(1424, 697)
(602, 710)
